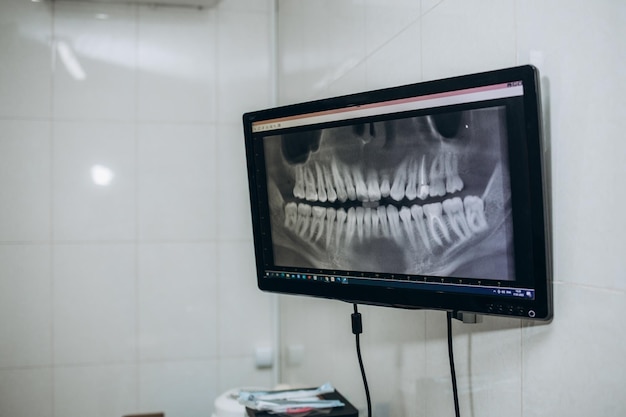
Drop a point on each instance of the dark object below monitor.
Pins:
(348, 410)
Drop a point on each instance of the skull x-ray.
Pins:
(427, 195)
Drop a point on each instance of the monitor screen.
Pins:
(427, 195)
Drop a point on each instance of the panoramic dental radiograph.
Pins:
(426, 195)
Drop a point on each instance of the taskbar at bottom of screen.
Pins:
(416, 284)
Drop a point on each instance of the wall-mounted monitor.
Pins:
(429, 195)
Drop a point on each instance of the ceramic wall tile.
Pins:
(241, 372)
(387, 20)
(94, 47)
(25, 306)
(176, 65)
(241, 304)
(26, 70)
(574, 366)
(178, 389)
(25, 147)
(177, 182)
(178, 301)
(243, 65)
(95, 303)
(467, 36)
(101, 390)
(305, 67)
(94, 181)
(233, 212)
(402, 53)
(26, 392)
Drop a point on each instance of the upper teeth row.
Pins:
(334, 181)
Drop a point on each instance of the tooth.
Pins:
(405, 215)
(422, 182)
(475, 213)
(399, 183)
(318, 223)
(347, 179)
(330, 224)
(341, 220)
(367, 222)
(328, 179)
(373, 189)
(394, 223)
(385, 188)
(298, 189)
(304, 219)
(418, 216)
(360, 212)
(411, 185)
(384, 222)
(340, 186)
(436, 226)
(309, 184)
(321, 187)
(456, 217)
(437, 174)
(453, 181)
(350, 225)
(375, 223)
(359, 184)
(291, 216)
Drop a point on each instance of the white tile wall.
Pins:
(84, 208)
(245, 313)
(25, 147)
(25, 306)
(243, 66)
(95, 390)
(95, 303)
(111, 295)
(27, 392)
(177, 193)
(572, 366)
(580, 353)
(177, 66)
(178, 305)
(101, 83)
(26, 71)
(453, 44)
(178, 388)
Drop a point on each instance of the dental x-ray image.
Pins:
(427, 195)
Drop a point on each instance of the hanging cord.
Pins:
(452, 371)
(357, 329)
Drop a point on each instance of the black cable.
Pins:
(357, 328)
(452, 371)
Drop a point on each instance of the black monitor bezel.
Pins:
(529, 171)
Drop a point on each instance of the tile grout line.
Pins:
(53, 376)
(136, 195)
